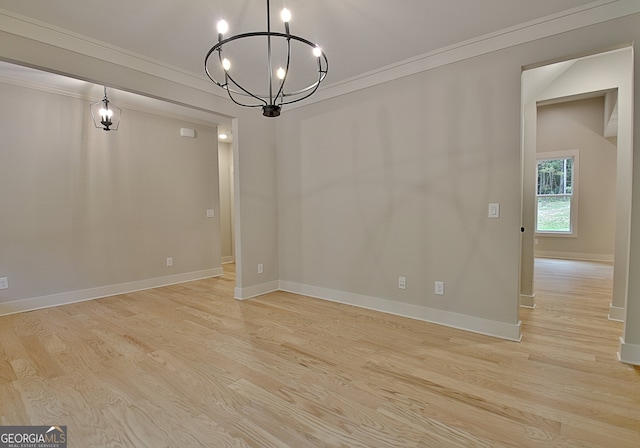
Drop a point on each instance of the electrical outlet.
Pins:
(169, 262)
(260, 268)
(402, 282)
(439, 288)
(4, 283)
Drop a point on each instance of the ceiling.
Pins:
(358, 36)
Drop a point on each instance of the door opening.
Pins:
(572, 79)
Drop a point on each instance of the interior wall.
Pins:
(255, 175)
(225, 161)
(400, 186)
(84, 209)
(580, 125)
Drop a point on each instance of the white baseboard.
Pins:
(226, 260)
(460, 321)
(36, 303)
(605, 258)
(527, 300)
(256, 290)
(629, 353)
(616, 313)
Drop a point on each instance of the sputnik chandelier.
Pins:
(223, 66)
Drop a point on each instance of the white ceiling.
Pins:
(358, 36)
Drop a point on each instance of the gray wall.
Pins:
(255, 179)
(395, 180)
(400, 186)
(580, 125)
(83, 208)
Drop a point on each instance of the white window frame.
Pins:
(554, 155)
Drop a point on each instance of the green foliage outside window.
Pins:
(555, 188)
(555, 176)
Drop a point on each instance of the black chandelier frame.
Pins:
(271, 103)
(110, 120)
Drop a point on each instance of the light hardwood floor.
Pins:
(189, 366)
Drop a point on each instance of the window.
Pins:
(557, 191)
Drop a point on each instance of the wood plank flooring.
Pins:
(189, 366)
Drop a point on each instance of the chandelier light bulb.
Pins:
(106, 113)
(285, 15)
(281, 73)
(226, 64)
(223, 27)
(317, 52)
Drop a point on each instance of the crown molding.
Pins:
(43, 32)
(569, 20)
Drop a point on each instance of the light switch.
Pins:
(210, 213)
(494, 210)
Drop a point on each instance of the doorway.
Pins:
(561, 81)
(226, 179)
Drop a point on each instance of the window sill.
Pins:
(556, 234)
